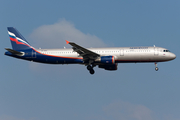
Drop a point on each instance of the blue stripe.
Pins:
(12, 36)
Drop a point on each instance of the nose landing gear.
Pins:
(156, 68)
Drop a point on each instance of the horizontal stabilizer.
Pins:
(15, 52)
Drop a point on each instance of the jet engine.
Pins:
(107, 59)
(107, 62)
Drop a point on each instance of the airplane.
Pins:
(105, 58)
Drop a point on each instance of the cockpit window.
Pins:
(166, 51)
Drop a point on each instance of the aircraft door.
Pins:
(156, 51)
(121, 52)
(33, 54)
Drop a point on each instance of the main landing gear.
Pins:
(156, 68)
(91, 70)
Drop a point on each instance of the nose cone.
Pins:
(173, 56)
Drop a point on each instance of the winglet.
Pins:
(67, 42)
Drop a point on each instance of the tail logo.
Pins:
(17, 40)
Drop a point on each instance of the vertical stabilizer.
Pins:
(17, 40)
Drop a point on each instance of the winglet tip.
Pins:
(67, 42)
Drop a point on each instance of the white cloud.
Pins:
(126, 111)
(54, 36)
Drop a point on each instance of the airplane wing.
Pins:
(85, 53)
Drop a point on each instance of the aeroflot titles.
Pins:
(138, 47)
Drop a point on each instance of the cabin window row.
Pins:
(75, 52)
(138, 51)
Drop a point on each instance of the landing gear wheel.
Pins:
(89, 67)
(92, 71)
(156, 68)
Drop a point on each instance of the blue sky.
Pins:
(34, 91)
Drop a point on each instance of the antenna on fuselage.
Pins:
(64, 47)
(154, 46)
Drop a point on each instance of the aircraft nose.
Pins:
(173, 56)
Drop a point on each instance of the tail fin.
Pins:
(17, 40)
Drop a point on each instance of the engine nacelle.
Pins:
(109, 66)
(107, 60)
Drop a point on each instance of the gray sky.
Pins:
(34, 91)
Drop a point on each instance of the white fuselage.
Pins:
(121, 54)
